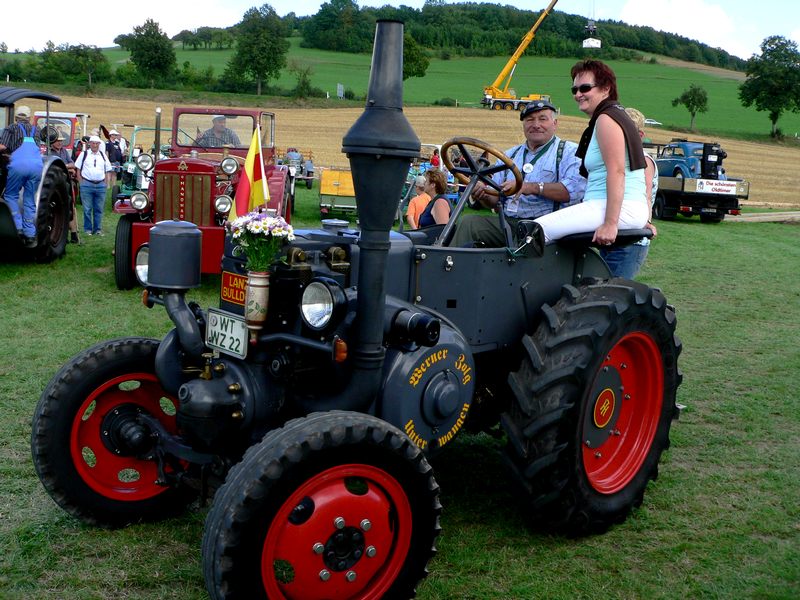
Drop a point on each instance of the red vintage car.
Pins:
(193, 177)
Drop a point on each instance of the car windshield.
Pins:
(215, 131)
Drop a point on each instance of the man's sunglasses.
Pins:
(583, 88)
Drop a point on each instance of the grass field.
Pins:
(650, 87)
(722, 521)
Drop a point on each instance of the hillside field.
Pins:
(771, 168)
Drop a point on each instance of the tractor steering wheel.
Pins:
(478, 169)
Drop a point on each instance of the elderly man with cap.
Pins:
(24, 173)
(94, 170)
(219, 135)
(550, 173)
(418, 203)
(57, 149)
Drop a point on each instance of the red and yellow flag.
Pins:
(252, 190)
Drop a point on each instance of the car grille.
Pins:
(184, 197)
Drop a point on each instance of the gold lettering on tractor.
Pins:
(463, 367)
(411, 432)
(456, 426)
(431, 359)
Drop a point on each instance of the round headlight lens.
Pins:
(229, 165)
(139, 200)
(140, 270)
(317, 305)
(145, 162)
(223, 204)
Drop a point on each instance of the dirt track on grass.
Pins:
(771, 169)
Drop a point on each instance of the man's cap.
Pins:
(533, 107)
(636, 116)
(23, 111)
(420, 181)
(60, 137)
(95, 140)
(217, 117)
(113, 132)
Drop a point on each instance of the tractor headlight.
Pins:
(229, 165)
(140, 268)
(145, 162)
(140, 200)
(322, 300)
(223, 204)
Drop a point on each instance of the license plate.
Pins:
(226, 332)
(710, 211)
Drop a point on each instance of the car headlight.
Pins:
(223, 204)
(229, 165)
(140, 268)
(322, 300)
(292, 171)
(145, 162)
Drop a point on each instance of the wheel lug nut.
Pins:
(598, 455)
(341, 565)
(324, 575)
(356, 554)
(366, 525)
(339, 523)
(356, 537)
(318, 548)
(371, 551)
(350, 576)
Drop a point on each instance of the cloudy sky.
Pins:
(738, 26)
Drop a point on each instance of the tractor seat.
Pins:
(625, 237)
(425, 236)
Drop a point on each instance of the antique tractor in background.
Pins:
(379, 348)
(54, 197)
(197, 182)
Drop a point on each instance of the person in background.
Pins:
(219, 135)
(551, 180)
(613, 163)
(628, 260)
(436, 160)
(57, 149)
(24, 173)
(114, 151)
(418, 203)
(94, 171)
(437, 212)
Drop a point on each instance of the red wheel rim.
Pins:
(293, 566)
(612, 465)
(124, 478)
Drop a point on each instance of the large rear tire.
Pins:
(53, 216)
(334, 505)
(592, 404)
(78, 436)
(123, 253)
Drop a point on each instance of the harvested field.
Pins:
(321, 131)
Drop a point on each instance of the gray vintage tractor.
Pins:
(379, 348)
(54, 196)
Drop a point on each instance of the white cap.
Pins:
(420, 181)
(215, 117)
(23, 111)
(113, 132)
(95, 140)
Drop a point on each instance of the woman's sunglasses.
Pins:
(583, 88)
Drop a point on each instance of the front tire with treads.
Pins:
(334, 505)
(593, 402)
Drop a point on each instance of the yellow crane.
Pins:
(498, 96)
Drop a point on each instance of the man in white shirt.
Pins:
(94, 170)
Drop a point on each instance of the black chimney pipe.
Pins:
(380, 146)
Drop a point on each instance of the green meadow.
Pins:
(649, 87)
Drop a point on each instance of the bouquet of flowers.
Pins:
(260, 236)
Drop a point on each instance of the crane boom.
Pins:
(499, 88)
